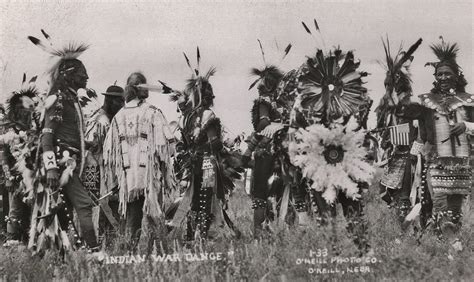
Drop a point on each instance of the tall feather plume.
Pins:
(276, 44)
(388, 56)
(316, 25)
(269, 72)
(320, 34)
(198, 55)
(188, 63)
(261, 50)
(287, 50)
(71, 51)
(397, 75)
(194, 84)
(23, 81)
(409, 53)
(42, 46)
(46, 36)
(306, 28)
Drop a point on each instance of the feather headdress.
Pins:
(270, 75)
(22, 99)
(446, 54)
(198, 86)
(398, 79)
(69, 52)
(397, 67)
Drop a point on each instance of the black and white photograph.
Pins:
(250, 140)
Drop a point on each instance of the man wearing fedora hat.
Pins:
(96, 129)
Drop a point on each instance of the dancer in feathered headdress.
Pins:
(397, 179)
(329, 91)
(207, 167)
(19, 156)
(445, 117)
(63, 151)
(267, 165)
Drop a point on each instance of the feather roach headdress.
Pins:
(58, 56)
(446, 54)
(270, 75)
(21, 103)
(198, 87)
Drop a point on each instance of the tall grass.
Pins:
(274, 258)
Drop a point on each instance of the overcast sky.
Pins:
(127, 36)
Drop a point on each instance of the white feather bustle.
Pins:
(307, 152)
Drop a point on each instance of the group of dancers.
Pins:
(67, 178)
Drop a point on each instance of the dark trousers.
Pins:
(444, 202)
(19, 216)
(350, 208)
(105, 227)
(261, 173)
(133, 225)
(77, 197)
(134, 220)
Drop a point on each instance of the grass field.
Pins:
(284, 256)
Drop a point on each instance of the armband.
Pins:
(49, 160)
(47, 130)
